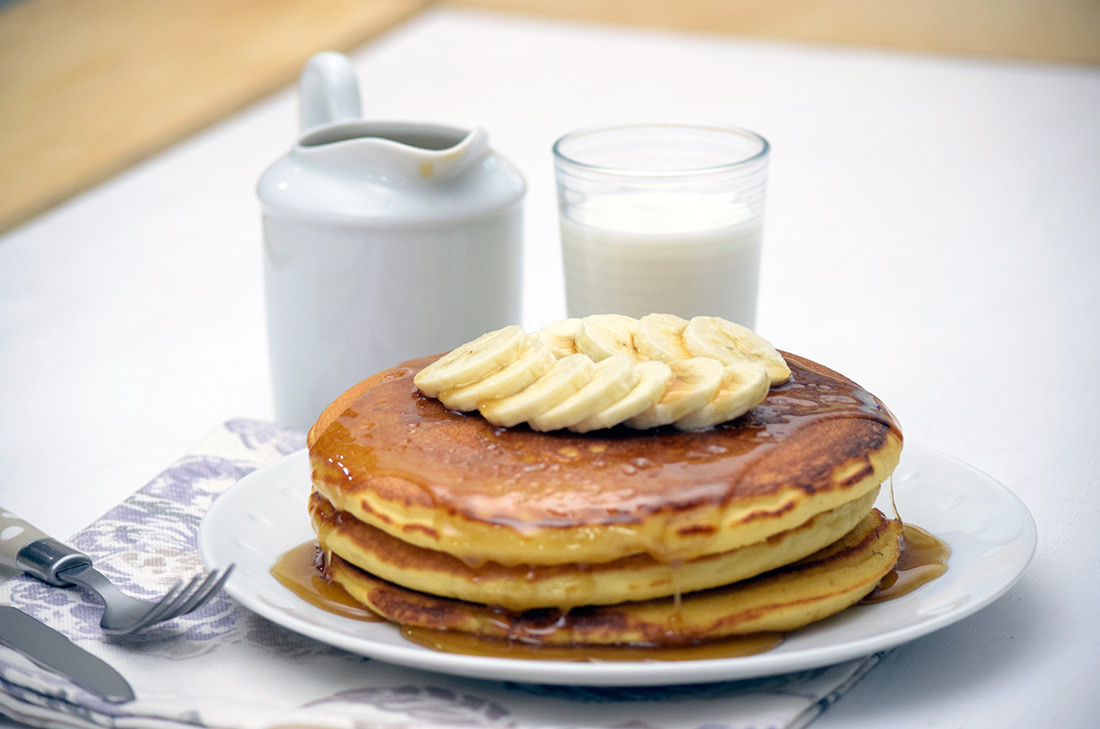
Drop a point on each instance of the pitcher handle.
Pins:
(329, 90)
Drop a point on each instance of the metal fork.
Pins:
(25, 547)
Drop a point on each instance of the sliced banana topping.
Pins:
(727, 342)
(604, 335)
(661, 337)
(561, 336)
(743, 387)
(473, 361)
(608, 370)
(534, 362)
(565, 377)
(612, 379)
(695, 382)
(653, 379)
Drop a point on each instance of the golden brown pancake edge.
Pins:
(525, 587)
(807, 591)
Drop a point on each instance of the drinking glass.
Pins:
(662, 218)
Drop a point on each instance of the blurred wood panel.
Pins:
(1048, 30)
(88, 87)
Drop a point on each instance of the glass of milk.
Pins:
(662, 218)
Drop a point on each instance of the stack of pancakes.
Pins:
(437, 519)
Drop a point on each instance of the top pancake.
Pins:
(453, 482)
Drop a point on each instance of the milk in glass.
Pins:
(684, 254)
(662, 218)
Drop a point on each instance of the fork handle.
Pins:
(26, 547)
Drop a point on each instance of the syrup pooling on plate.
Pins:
(301, 570)
(924, 557)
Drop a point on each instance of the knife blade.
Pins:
(55, 652)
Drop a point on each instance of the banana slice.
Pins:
(695, 383)
(653, 379)
(717, 338)
(561, 336)
(535, 362)
(472, 361)
(565, 377)
(602, 335)
(744, 386)
(612, 379)
(660, 337)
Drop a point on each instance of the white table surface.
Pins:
(933, 232)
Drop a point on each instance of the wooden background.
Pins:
(89, 87)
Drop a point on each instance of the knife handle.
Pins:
(26, 547)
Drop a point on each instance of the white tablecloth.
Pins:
(933, 232)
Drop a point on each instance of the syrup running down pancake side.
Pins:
(924, 557)
(301, 570)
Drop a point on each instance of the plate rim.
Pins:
(608, 673)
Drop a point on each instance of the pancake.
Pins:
(816, 587)
(453, 483)
(524, 587)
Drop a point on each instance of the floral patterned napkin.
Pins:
(224, 666)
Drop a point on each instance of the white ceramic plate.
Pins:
(990, 532)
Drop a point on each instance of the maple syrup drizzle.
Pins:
(923, 558)
(301, 571)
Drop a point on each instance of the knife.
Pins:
(55, 652)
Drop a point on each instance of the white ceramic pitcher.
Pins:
(382, 241)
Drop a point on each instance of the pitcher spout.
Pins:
(429, 151)
(448, 163)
